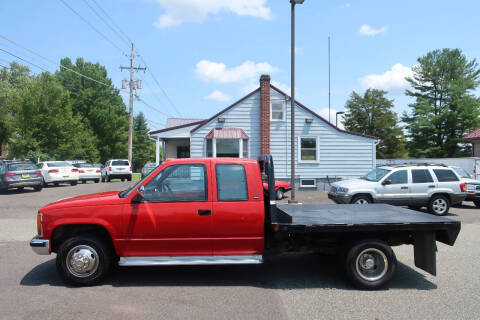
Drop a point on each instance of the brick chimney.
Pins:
(265, 114)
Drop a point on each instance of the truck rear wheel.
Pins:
(370, 264)
(84, 260)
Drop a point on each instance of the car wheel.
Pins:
(103, 179)
(73, 183)
(97, 180)
(129, 178)
(20, 188)
(84, 260)
(280, 194)
(56, 184)
(123, 179)
(362, 199)
(43, 182)
(370, 264)
(3, 189)
(439, 205)
(38, 188)
(84, 181)
(108, 178)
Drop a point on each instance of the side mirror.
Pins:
(387, 182)
(139, 195)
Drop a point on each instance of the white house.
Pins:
(259, 123)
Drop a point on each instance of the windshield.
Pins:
(462, 173)
(57, 164)
(21, 166)
(120, 163)
(375, 175)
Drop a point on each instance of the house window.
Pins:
(308, 149)
(308, 183)
(232, 148)
(277, 111)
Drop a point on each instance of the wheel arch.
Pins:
(358, 194)
(62, 232)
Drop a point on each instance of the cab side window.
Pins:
(178, 183)
(398, 177)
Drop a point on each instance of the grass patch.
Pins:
(136, 176)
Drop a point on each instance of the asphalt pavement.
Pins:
(291, 286)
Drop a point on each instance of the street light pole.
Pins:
(336, 117)
(292, 104)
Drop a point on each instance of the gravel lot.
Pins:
(301, 286)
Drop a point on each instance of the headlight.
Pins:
(342, 190)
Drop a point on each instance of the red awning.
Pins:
(226, 133)
(474, 135)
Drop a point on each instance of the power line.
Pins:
(106, 22)
(58, 64)
(113, 22)
(153, 108)
(93, 27)
(33, 64)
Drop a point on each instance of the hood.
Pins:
(472, 181)
(103, 198)
(353, 183)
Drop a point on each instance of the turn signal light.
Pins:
(38, 173)
(81, 171)
(40, 224)
(74, 170)
(98, 171)
(53, 171)
(10, 174)
(463, 187)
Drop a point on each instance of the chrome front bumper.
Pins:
(40, 246)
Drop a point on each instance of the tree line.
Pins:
(64, 116)
(444, 109)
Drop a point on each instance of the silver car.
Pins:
(436, 187)
(473, 186)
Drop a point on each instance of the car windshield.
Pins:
(120, 163)
(375, 175)
(462, 173)
(21, 166)
(58, 164)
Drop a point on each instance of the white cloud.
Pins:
(367, 30)
(324, 114)
(346, 6)
(392, 79)
(284, 87)
(180, 11)
(218, 72)
(218, 96)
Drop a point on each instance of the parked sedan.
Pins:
(88, 172)
(19, 174)
(57, 172)
(280, 188)
(147, 168)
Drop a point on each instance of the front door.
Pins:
(183, 152)
(421, 187)
(175, 217)
(397, 191)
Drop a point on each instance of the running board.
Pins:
(189, 260)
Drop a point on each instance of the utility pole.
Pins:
(329, 79)
(133, 86)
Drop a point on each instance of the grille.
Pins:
(477, 188)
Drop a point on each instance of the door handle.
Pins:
(404, 188)
(431, 186)
(202, 212)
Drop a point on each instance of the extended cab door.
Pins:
(175, 217)
(238, 208)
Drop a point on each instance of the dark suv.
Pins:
(19, 174)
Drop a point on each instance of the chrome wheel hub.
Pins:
(439, 206)
(371, 264)
(82, 261)
(361, 201)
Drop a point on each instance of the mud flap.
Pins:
(425, 252)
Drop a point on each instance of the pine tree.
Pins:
(143, 147)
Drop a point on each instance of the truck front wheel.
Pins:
(84, 260)
(370, 264)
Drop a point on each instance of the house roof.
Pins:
(226, 133)
(474, 135)
(176, 122)
(296, 102)
(191, 124)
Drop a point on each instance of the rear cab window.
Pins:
(231, 182)
(445, 175)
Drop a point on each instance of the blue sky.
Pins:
(207, 54)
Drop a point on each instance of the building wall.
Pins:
(340, 155)
(476, 148)
(245, 115)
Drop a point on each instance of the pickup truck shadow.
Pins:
(288, 271)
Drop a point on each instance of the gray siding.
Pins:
(245, 115)
(340, 154)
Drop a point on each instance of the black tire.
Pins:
(103, 258)
(56, 184)
(416, 208)
(361, 199)
(107, 178)
(123, 179)
(73, 183)
(97, 180)
(84, 181)
(3, 189)
(375, 276)
(280, 194)
(20, 188)
(38, 188)
(477, 203)
(103, 179)
(129, 178)
(439, 205)
(44, 183)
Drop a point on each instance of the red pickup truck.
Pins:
(216, 211)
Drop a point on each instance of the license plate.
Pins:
(65, 177)
(120, 169)
(25, 176)
(90, 170)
